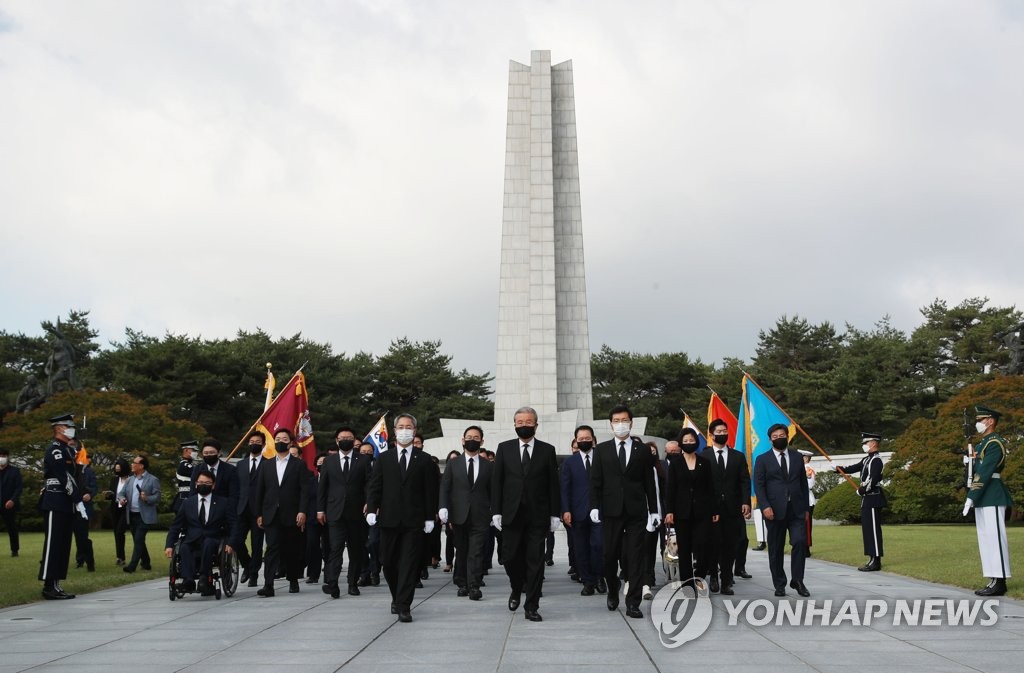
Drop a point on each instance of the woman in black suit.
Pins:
(690, 505)
(122, 470)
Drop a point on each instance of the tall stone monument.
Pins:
(543, 335)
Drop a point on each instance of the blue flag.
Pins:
(758, 412)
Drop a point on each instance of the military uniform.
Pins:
(871, 503)
(183, 476)
(59, 501)
(990, 499)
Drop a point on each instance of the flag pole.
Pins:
(803, 432)
(253, 426)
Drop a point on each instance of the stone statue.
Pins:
(61, 365)
(31, 396)
(1011, 338)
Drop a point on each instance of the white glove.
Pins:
(656, 518)
(496, 522)
(967, 506)
(371, 519)
(594, 516)
(428, 527)
(554, 524)
(81, 510)
(651, 525)
(442, 514)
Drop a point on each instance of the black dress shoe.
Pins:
(79, 564)
(714, 585)
(375, 580)
(404, 616)
(761, 546)
(548, 563)
(634, 612)
(245, 577)
(462, 592)
(293, 586)
(14, 554)
(312, 580)
(727, 591)
(331, 589)
(266, 592)
(572, 570)
(781, 591)
(588, 590)
(424, 575)
(996, 588)
(482, 583)
(128, 569)
(602, 586)
(146, 567)
(873, 564)
(513, 601)
(534, 616)
(56, 595)
(252, 582)
(575, 577)
(353, 590)
(744, 574)
(363, 581)
(475, 595)
(419, 584)
(613, 600)
(394, 609)
(800, 588)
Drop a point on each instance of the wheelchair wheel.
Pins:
(171, 593)
(228, 573)
(173, 573)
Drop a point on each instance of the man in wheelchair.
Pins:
(202, 521)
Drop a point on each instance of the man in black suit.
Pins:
(341, 506)
(223, 471)
(587, 538)
(623, 497)
(524, 507)
(282, 489)
(247, 470)
(402, 499)
(465, 501)
(206, 519)
(780, 486)
(732, 485)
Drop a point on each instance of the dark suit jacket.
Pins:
(467, 503)
(615, 493)
(408, 501)
(10, 486)
(534, 493)
(337, 496)
(575, 483)
(733, 484)
(246, 484)
(226, 483)
(691, 495)
(281, 503)
(220, 521)
(776, 490)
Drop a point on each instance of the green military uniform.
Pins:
(990, 498)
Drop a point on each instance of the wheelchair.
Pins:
(224, 574)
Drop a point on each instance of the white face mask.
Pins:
(620, 430)
(3, 461)
(866, 447)
(404, 435)
(980, 426)
(69, 433)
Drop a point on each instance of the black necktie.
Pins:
(471, 461)
(202, 510)
(526, 458)
(344, 468)
(622, 455)
(721, 460)
(252, 472)
(586, 462)
(785, 467)
(402, 463)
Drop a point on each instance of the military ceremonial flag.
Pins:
(378, 436)
(717, 409)
(688, 423)
(290, 410)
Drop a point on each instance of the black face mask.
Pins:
(720, 440)
(780, 443)
(255, 449)
(688, 448)
(204, 489)
(281, 447)
(584, 446)
(211, 460)
(346, 445)
(526, 431)
(471, 445)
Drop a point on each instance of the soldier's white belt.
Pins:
(996, 475)
(53, 482)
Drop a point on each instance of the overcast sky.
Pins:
(335, 168)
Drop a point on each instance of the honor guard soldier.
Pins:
(990, 498)
(183, 475)
(59, 501)
(872, 499)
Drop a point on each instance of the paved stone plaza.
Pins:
(138, 628)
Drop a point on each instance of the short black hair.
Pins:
(620, 409)
(451, 454)
(419, 436)
(474, 427)
(576, 432)
(778, 426)
(284, 430)
(344, 428)
(256, 433)
(688, 431)
(142, 459)
(206, 472)
(210, 441)
(717, 423)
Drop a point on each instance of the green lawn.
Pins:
(18, 576)
(938, 553)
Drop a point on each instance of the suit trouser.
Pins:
(284, 545)
(250, 561)
(588, 546)
(810, 522)
(206, 548)
(83, 545)
(449, 545)
(742, 544)
(650, 555)
(139, 529)
(401, 558)
(571, 546)
(10, 517)
(56, 546)
(469, 554)
(624, 537)
(318, 547)
(343, 533)
(120, 528)
(777, 528)
(726, 536)
(372, 564)
(693, 540)
(995, 555)
(871, 529)
(549, 546)
(522, 550)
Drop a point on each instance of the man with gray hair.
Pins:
(525, 504)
